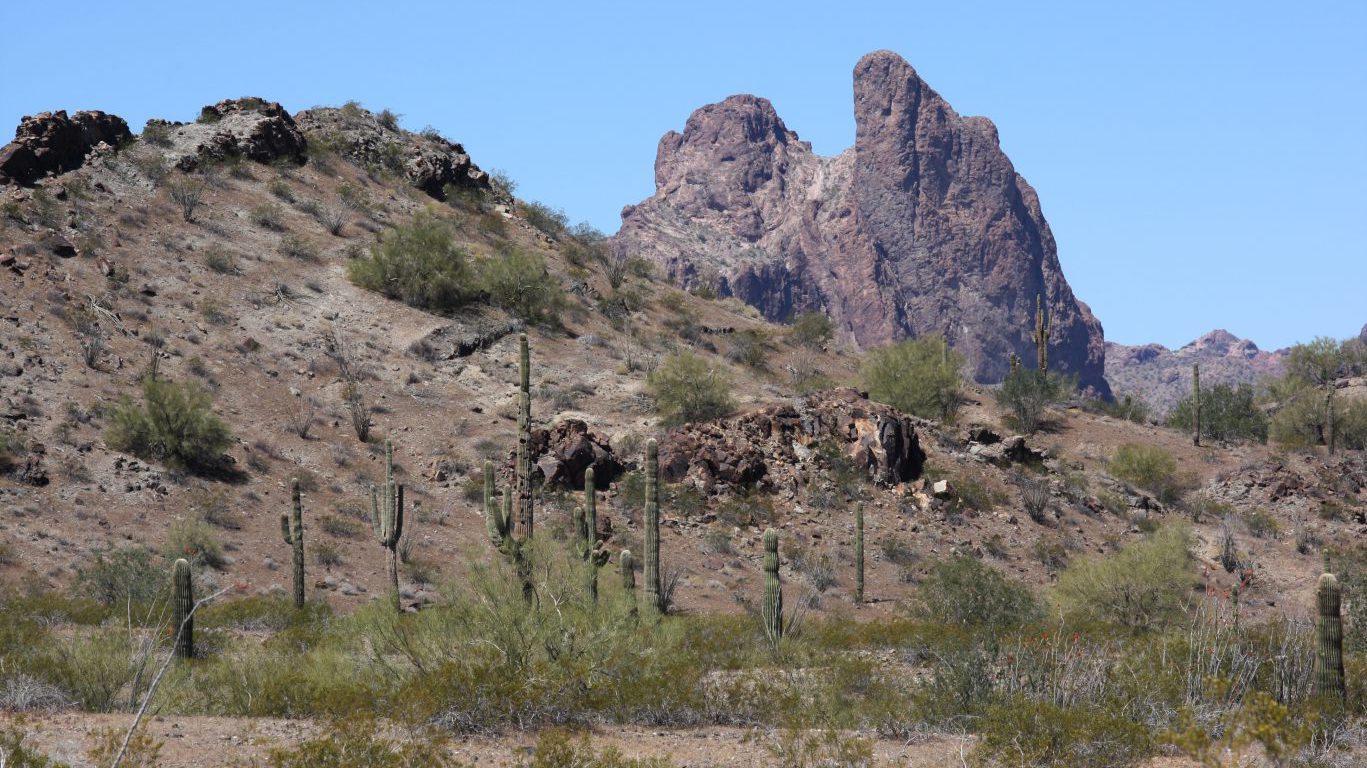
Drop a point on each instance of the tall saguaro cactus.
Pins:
(1329, 637)
(654, 588)
(771, 611)
(182, 609)
(499, 524)
(526, 516)
(859, 553)
(629, 580)
(292, 530)
(1196, 404)
(386, 518)
(586, 518)
(1041, 335)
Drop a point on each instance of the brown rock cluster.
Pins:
(923, 226)
(52, 143)
(251, 128)
(566, 450)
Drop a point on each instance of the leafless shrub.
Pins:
(187, 193)
(1035, 499)
(301, 418)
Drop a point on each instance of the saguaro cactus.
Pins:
(629, 580)
(586, 519)
(859, 553)
(525, 513)
(500, 527)
(1329, 636)
(182, 609)
(292, 530)
(654, 588)
(386, 518)
(1196, 404)
(1041, 335)
(771, 611)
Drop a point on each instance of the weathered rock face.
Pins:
(51, 142)
(781, 446)
(1161, 376)
(562, 453)
(251, 128)
(923, 226)
(427, 160)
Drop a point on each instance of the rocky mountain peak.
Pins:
(922, 227)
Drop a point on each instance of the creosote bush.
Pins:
(1153, 468)
(1142, 587)
(420, 264)
(919, 376)
(174, 424)
(688, 388)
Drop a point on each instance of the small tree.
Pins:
(688, 388)
(965, 592)
(1140, 587)
(517, 281)
(811, 330)
(175, 424)
(1026, 393)
(418, 263)
(1227, 413)
(919, 376)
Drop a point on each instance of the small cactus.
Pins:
(629, 580)
(859, 553)
(1041, 336)
(771, 611)
(386, 518)
(1196, 404)
(292, 530)
(182, 609)
(654, 587)
(1329, 681)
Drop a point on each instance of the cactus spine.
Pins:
(525, 512)
(1196, 404)
(1041, 336)
(859, 553)
(292, 530)
(629, 580)
(1329, 681)
(771, 612)
(386, 517)
(182, 609)
(654, 589)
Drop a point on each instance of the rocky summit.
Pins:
(923, 226)
(1162, 377)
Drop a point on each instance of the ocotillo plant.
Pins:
(1329, 638)
(859, 553)
(1196, 404)
(771, 611)
(1041, 336)
(500, 527)
(655, 597)
(292, 530)
(525, 503)
(629, 580)
(182, 609)
(386, 518)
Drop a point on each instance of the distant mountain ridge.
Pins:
(1162, 376)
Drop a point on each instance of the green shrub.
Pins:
(811, 330)
(1153, 468)
(1040, 734)
(518, 281)
(1027, 393)
(688, 388)
(193, 538)
(19, 755)
(418, 263)
(121, 575)
(1143, 586)
(967, 593)
(1227, 413)
(175, 424)
(918, 376)
(550, 220)
(358, 743)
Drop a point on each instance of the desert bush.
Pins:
(298, 248)
(186, 193)
(551, 221)
(1035, 498)
(1153, 468)
(517, 280)
(1026, 394)
(326, 554)
(1039, 734)
(157, 133)
(967, 593)
(811, 330)
(267, 215)
(1141, 587)
(920, 376)
(1123, 407)
(749, 347)
(120, 576)
(418, 263)
(1228, 413)
(356, 743)
(194, 538)
(688, 388)
(175, 424)
(220, 260)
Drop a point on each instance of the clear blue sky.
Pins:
(1202, 164)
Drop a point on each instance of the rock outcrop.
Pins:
(1161, 377)
(51, 143)
(782, 446)
(251, 128)
(922, 227)
(562, 453)
(428, 161)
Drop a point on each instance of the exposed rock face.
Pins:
(427, 160)
(252, 128)
(462, 338)
(562, 453)
(779, 446)
(923, 226)
(51, 142)
(1161, 377)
